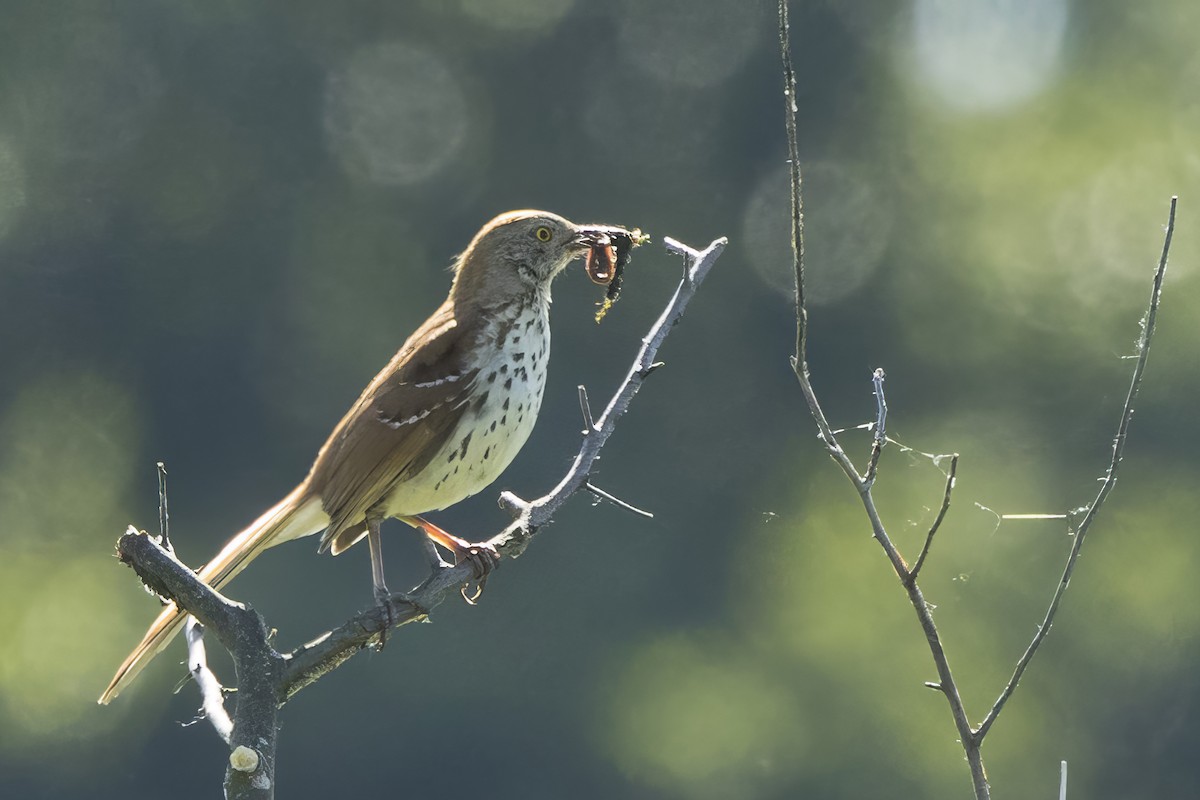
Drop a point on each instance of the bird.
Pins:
(438, 424)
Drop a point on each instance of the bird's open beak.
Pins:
(589, 236)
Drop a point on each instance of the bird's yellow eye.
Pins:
(543, 234)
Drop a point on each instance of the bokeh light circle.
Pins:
(666, 136)
(847, 225)
(524, 16)
(688, 44)
(395, 114)
(87, 92)
(12, 187)
(990, 55)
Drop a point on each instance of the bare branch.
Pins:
(800, 359)
(164, 516)
(616, 501)
(241, 631)
(586, 409)
(789, 97)
(881, 408)
(971, 739)
(880, 438)
(946, 683)
(212, 694)
(1110, 479)
(307, 663)
(937, 523)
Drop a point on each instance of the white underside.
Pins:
(449, 480)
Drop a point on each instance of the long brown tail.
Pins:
(292, 517)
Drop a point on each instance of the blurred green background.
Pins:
(219, 219)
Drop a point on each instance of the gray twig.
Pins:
(971, 739)
(797, 207)
(212, 694)
(945, 683)
(616, 501)
(164, 516)
(877, 379)
(586, 409)
(937, 523)
(1110, 479)
(880, 426)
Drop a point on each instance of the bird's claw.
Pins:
(383, 599)
(483, 558)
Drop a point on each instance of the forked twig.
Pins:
(945, 683)
(970, 738)
(1110, 480)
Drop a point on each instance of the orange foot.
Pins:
(482, 556)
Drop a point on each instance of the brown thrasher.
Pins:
(439, 423)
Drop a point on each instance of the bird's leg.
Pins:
(481, 555)
(376, 545)
(383, 597)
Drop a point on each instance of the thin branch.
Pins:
(880, 438)
(800, 359)
(881, 408)
(797, 214)
(212, 694)
(949, 688)
(586, 409)
(971, 739)
(1004, 517)
(164, 516)
(937, 523)
(946, 683)
(1110, 480)
(616, 501)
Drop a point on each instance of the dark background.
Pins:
(219, 219)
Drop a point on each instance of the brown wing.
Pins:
(398, 424)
